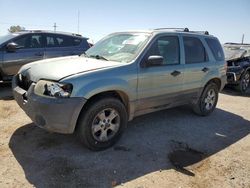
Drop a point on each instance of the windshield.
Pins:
(122, 47)
(5, 38)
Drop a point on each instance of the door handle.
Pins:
(205, 69)
(175, 73)
(39, 54)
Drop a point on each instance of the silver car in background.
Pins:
(124, 75)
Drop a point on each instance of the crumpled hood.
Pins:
(58, 68)
(234, 52)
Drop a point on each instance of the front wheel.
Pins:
(208, 100)
(244, 82)
(101, 125)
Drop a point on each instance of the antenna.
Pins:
(55, 26)
(242, 40)
(78, 21)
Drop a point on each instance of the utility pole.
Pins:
(55, 26)
(78, 22)
(242, 40)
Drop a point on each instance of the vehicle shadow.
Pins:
(55, 160)
(233, 92)
(6, 91)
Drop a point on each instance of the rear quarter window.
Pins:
(76, 41)
(85, 44)
(216, 49)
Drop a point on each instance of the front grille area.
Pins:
(24, 82)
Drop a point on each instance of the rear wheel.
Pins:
(244, 82)
(208, 100)
(101, 125)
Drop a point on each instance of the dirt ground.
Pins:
(170, 148)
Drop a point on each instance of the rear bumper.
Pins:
(53, 114)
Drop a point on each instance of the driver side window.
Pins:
(23, 41)
(29, 41)
(168, 47)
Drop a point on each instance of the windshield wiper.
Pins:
(98, 57)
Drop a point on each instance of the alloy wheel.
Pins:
(105, 125)
(209, 100)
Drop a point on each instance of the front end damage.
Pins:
(238, 61)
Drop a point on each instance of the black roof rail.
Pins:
(234, 43)
(202, 32)
(48, 31)
(173, 28)
(183, 29)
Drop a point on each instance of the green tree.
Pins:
(15, 28)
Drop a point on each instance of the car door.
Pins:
(161, 86)
(197, 65)
(30, 47)
(58, 45)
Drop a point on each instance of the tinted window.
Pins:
(22, 42)
(216, 49)
(168, 48)
(50, 41)
(58, 41)
(76, 41)
(29, 41)
(85, 44)
(194, 50)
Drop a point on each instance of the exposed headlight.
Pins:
(53, 89)
(57, 89)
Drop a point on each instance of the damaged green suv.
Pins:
(124, 75)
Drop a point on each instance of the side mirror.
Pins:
(11, 47)
(155, 60)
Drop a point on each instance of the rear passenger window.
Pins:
(216, 49)
(50, 41)
(168, 48)
(59, 41)
(194, 50)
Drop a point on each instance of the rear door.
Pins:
(30, 47)
(62, 45)
(160, 86)
(197, 65)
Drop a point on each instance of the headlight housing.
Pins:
(53, 89)
(58, 90)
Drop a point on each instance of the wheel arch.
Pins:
(118, 94)
(215, 80)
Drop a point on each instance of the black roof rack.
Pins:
(48, 31)
(184, 30)
(174, 28)
(234, 43)
(202, 32)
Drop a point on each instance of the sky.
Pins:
(226, 19)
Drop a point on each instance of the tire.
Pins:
(207, 101)
(102, 123)
(244, 82)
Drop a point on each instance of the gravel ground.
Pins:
(170, 148)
